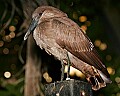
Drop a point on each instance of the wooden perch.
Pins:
(68, 88)
(32, 72)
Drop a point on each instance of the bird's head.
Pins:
(41, 14)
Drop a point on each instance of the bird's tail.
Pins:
(98, 81)
(97, 78)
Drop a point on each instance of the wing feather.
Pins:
(72, 38)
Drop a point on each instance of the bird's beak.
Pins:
(31, 28)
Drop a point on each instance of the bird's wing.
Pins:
(72, 38)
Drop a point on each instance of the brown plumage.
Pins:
(58, 35)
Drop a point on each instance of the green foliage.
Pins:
(11, 89)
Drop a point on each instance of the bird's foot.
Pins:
(62, 70)
(69, 63)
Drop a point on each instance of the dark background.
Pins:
(99, 18)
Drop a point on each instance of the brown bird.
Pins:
(61, 37)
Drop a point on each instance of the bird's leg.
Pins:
(69, 63)
(62, 70)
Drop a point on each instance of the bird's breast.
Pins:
(45, 39)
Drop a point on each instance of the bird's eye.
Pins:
(40, 14)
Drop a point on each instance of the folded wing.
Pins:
(72, 38)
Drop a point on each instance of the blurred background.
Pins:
(99, 18)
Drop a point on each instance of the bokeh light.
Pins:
(47, 77)
(117, 79)
(75, 16)
(82, 93)
(12, 28)
(97, 43)
(84, 27)
(118, 94)
(6, 38)
(66, 69)
(7, 74)
(5, 50)
(12, 34)
(111, 70)
(1, 43)
(79, 74)
(108, 57)
(103, 46)
(74, 72)
(82, 18)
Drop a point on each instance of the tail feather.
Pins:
(98, 80)
(106, 79)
